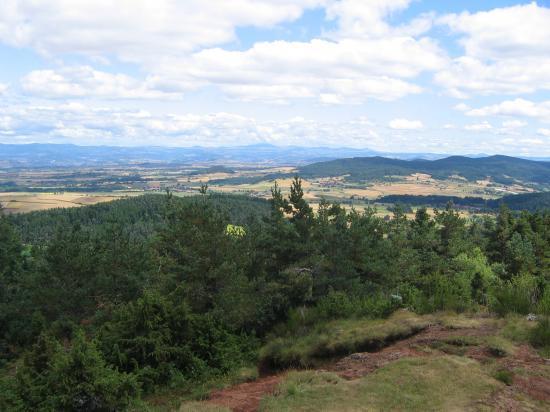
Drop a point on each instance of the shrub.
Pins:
(543, 306)
(77, 378)
(505, 376)
(446, 293)
(517, 295)
(163, 343)
(540, 334)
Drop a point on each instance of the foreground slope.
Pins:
(454, 362)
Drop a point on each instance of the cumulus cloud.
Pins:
(516, 107)
(506, 51)
(544, 132)
(405, 124)
(85, 123)
(76, 122)
(135, 30)
(3, 88)
(333, 72)
(84, 81)
(174, 42)
(513, 124)
(479, 127)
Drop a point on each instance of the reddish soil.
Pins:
(246, 397)
(361, 364)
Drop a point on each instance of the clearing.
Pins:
(452, 363)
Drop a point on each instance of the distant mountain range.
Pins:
(502, 169)
(65, 155)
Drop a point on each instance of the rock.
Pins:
(531, 317)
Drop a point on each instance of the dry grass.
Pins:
(202, 407)
(29, 202)
(441, 383)
(340, 337)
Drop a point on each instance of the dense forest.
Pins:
(502, 169)
(527, 201)
(105, 305)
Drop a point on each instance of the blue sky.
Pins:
(392, 75)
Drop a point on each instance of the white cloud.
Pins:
(92, 125)
(359, 18)
(135, 30)
(478, 127)
(513, 124)
(343, 71)
(511, 32)
(86, 123)
(405, 124)
(517, 107)
(462, 107)
(506, 51)
(467, 75)
(544, 132)
(3, 88)
(174, 43)
(84, 81)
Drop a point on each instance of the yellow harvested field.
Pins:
(29, 202)
(414, 188)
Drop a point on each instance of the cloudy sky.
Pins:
(393, 75)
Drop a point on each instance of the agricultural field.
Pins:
(28, 202)
(24, 190)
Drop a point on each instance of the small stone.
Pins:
(531, 317)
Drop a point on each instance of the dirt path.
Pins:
(358, 365)
(246, 397)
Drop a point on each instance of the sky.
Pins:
(460, 77)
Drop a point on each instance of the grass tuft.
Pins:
(411, 384)
(339, 338)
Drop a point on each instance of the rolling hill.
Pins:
(502, 169)
(526, 201)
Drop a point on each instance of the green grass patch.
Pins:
(338, 338)
(460, 321)
(516, 328)
(412, 384)
(505, 376)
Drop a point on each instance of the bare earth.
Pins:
(535, 384)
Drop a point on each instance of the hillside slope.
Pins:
(502, 169)
(526, 201)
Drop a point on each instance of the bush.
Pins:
(337, 305)
(517, 295)
(505, 376)
(163, 343)
(76, 379)
(445, 293)
(543, 306)
(540, 334)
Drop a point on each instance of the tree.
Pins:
(300, 211)
(75, 379)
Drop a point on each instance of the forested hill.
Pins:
(502, 169)
(526, 201)
(140, 216)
